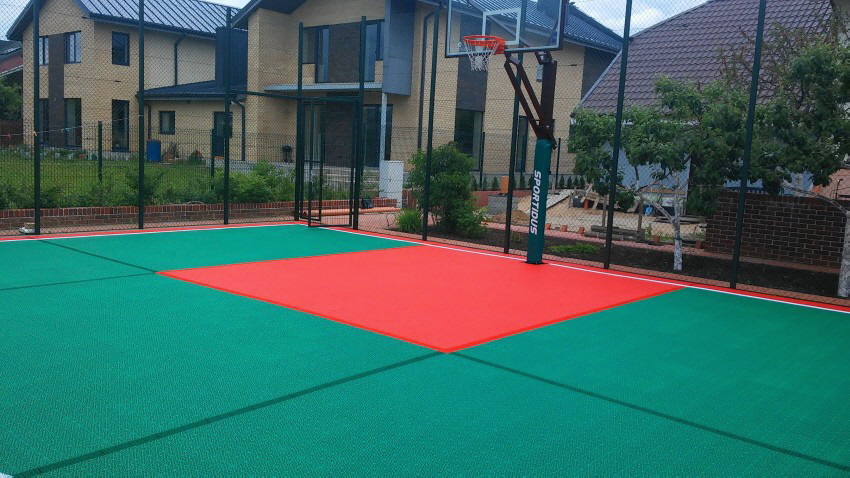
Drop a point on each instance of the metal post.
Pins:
(481, 161)
(422, 78)
(212, 152)
(359, 140)
(36, 93)
(299, 130)
(748, 146)
(557, 166)
(228, 120)
(141, 114)
(430, 147)
(100, 151)
(509, 202)
(618, 131)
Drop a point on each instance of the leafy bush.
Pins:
(574, 249)
(625, 200)
(522, 184)
(494, 186)
(451, 201)
(409, 220)
(569, 182)
(471, 223)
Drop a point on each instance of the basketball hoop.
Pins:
(480, 48)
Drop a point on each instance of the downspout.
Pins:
(150, 114)
(422, 79)
(176, 44)
(242, 107)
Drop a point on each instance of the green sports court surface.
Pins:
(280, 350)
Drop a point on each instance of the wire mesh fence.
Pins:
(220, 123)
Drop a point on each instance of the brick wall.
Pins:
(11, 219)
(790, 229)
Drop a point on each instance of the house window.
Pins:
(317, 47)
(43, 50)
(120, 49)
(521, 144)
(120, 125)
(44, 120)
(73, 122)
(468, 131)
(73, 48)
(372, 119)
(166, 122)
(322, 53)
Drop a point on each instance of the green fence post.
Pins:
(36, 147)
(228, 121)
(618, 131)
(748, 146)
(212, 153)
(100, 151)
(141, 114)
(430, 147)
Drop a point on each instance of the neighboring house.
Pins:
(11, 62)
(688, 46)
(468, 103)
(88, 58)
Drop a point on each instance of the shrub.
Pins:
(409, 220)
(451, 201)
(569, 182)
(494, 186)
(625, 200)
(574, 249)
(522, 184)
(471, 223)
(153, 181)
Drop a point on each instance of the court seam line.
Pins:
(120, 232)
(75, 282)
(220, 417)
(839, 308)
(665, 416)
(47, 241)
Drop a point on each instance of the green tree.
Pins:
(690, 128)
(10, 101)
(451, 202)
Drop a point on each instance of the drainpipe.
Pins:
(176, 44)
(422, 79)
(150, 115)
(242, 107)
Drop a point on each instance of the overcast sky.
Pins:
(610, 12)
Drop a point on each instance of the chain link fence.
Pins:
(222, 124)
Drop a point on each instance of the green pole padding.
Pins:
(539, 186)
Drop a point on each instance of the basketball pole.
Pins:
(539, 114)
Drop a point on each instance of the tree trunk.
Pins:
(677, 234)
(844, 273)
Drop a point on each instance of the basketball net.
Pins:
(480, 48)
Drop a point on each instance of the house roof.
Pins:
(581, 28)
(199, 90)
(687, 46)
(192, 17)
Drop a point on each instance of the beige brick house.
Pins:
(88, 61)
(394, 68)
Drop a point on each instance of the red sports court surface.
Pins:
(447, 311)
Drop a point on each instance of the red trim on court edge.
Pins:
(458, 299)
(117, 232)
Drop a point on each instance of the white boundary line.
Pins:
(613, 274)
(119, 233)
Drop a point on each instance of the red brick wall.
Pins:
(790, 229)
(93, 216)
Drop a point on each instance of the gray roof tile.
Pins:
(687, 46)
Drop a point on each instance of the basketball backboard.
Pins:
(526, 25)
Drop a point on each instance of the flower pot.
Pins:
(698, 244)
(581, 231)
(656, 238)
(548, 226)
(563, 228)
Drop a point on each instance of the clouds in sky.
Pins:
(645, 13)
(610, 13)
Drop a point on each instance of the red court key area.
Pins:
(440, 298)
